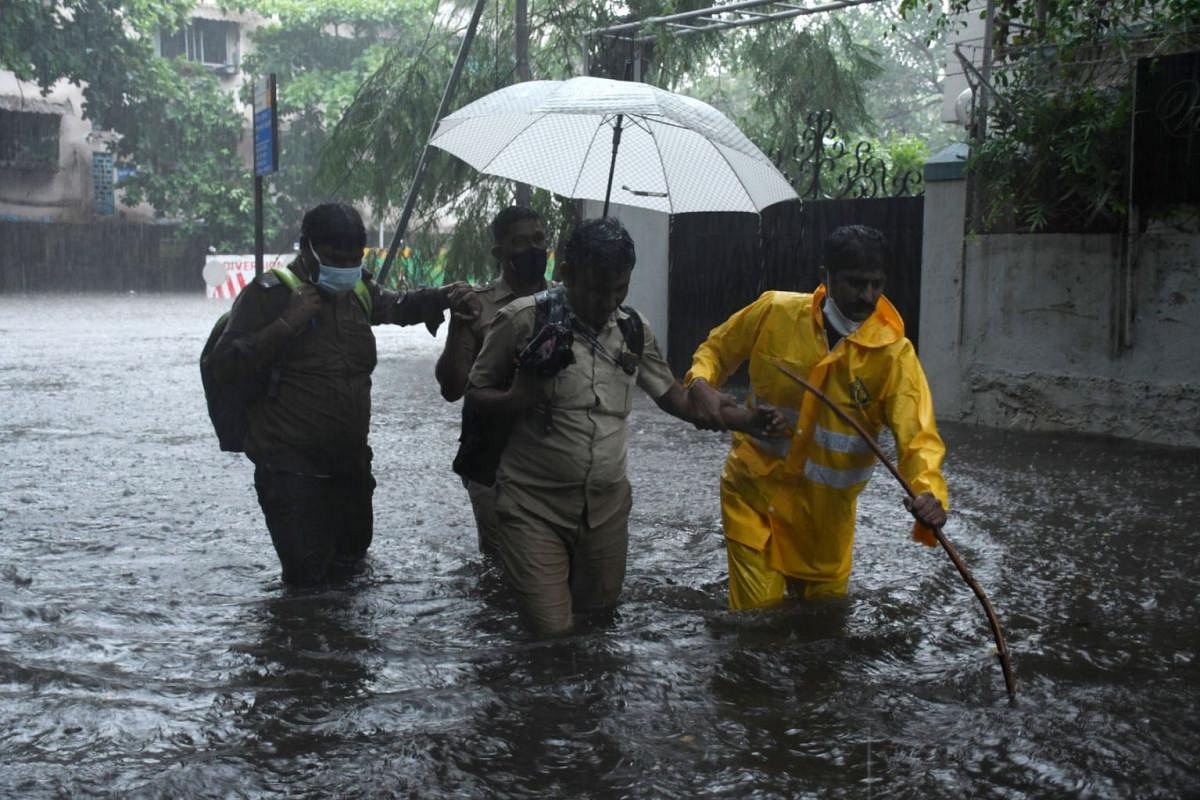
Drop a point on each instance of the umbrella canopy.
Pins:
(676, 154)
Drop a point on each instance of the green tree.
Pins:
(321, 53)
(175, 127)
(1056, 151)
(767, 79)
(903, 100)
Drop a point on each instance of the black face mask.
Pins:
(529, 265)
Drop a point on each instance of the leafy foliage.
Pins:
(1056, 153)
(359, 82)
(184, 155)
(321, 53)
(766, 79)
(175, 127)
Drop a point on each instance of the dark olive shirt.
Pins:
(316, 413)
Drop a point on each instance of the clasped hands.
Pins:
(712, 410)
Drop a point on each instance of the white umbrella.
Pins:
(586, 137)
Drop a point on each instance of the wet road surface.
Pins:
(147, 648)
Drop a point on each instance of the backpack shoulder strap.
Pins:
(285, 276)
(633, 330)
(363, 293)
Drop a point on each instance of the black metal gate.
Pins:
(720, 262)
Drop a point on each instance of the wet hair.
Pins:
(856, 246)
(602, 244)
(504, 221)
(335, 225)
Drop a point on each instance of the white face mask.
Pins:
(834, 316)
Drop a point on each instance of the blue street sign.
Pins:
(266, 127)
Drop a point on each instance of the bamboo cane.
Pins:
(1001, 648)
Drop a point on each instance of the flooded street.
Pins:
(148, 649)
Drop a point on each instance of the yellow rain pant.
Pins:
(752, 583)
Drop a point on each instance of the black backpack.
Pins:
(483, 438)
(229, 403)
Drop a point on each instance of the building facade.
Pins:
(56, 167)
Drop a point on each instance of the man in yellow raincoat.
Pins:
(789, 504)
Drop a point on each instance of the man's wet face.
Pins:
(596, 293)
(522, 235)
(857, 289)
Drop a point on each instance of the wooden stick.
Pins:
(1010, 682)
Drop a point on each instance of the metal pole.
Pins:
(419, 175)
(980, 118)
(670, 19)
(258, 226)
(612, 166)
(523, 193)
(989, 30)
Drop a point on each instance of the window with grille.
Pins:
(205, 41)
(102, 184)
(29, 140)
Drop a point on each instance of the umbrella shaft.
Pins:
(612, 166)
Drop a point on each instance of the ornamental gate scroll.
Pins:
(822, 166)
(720, 262)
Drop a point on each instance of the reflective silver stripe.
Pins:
(839, 442)
(837, 478)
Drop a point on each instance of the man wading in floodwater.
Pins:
(789, 505)
(313, 348)
(563, 499)
(519, 245)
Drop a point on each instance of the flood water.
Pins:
(147, 648)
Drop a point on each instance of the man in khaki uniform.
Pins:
(563, 499)
(519, 245)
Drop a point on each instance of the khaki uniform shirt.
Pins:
(565, 459)
(492, 297)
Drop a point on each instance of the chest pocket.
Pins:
(614, 389)
(339, 342)
(592, 383)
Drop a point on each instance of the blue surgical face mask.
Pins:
(336, 279)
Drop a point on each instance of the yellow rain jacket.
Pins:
(809, 485)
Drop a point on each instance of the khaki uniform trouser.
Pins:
(556, 571)
(483, 503)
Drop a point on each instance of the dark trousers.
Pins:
(319, 525)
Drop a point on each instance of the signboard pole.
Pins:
(266, 155)
(258, 227)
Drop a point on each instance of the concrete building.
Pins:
(54, 167)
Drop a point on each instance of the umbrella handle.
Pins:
(612, 166)
(1010, 682)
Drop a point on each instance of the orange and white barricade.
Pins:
(225, 276)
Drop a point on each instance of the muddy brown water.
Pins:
(147, 648)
